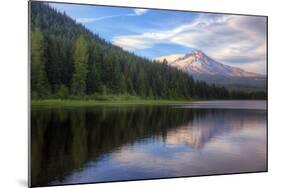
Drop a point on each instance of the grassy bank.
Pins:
(92, 102)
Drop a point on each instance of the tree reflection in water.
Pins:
(64, 140)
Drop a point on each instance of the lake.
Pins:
(114, 143)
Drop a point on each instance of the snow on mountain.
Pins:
(169, 58)
(202, 67)
(198, 63)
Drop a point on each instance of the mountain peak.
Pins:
(197, 52)
(203, 67)
(197, 62)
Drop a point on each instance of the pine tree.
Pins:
(130, 87)
(123, 86)
(141, 83)
(81, 55)
(93, 81)
(39, 82)
(94, 78)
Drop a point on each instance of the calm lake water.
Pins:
(109, 143)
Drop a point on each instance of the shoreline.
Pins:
(92, 102)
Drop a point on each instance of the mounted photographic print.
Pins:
(124, 93)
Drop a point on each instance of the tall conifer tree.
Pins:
(39, 81)
(81, 55)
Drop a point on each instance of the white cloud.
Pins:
(88, 20)
(224, 37)
(137, 12)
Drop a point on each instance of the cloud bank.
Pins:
(230, 39)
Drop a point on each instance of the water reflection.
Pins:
(78, 145)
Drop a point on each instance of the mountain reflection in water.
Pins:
(96, 144)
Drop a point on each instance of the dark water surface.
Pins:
(109, 143)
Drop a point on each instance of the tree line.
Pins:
(69, 61)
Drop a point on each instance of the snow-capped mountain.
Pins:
(203, 67)
(197, 62)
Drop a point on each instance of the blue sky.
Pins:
(234, 40)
